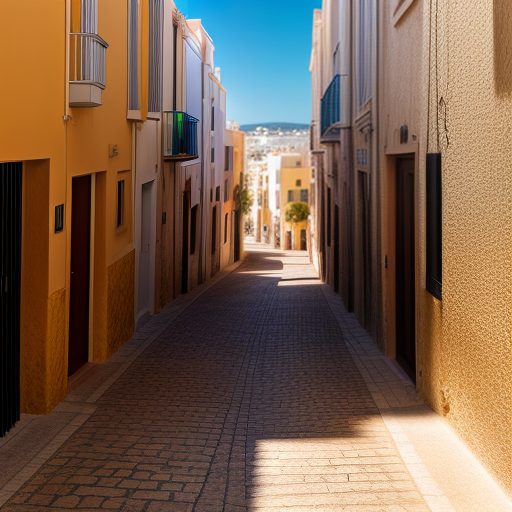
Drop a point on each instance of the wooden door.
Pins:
(405, 268)
(10, 288)
(185, 242)
(336, 282)
(144, 292)
(78, 353)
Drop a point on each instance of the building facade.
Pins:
(106, 191)
(426, 164)
(287, 181)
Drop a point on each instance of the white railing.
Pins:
(87, 59)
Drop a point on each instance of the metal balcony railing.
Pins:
(331, 107)
(87, 59)
(179, 136)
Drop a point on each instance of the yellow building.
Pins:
(289, 181)
(65, 135)
(233, 218)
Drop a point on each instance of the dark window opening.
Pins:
(304, 195)
(226, 190)
(120, 203)
(434, 226)
(226, 221)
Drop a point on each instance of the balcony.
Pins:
(179, 136)
(87, 69)
(335, 107)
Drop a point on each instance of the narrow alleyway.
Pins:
(249, 400)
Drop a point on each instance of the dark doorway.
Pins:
(365, 246)
(336, 282)
(78, 353)
(303, 240)
(185, 242)
(236, 255)
(323, 246)
(10, 292)
(405, 265)
(288, 241)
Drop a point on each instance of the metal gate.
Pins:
(10, 284)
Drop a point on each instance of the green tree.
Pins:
(296, 212)
(244, 200)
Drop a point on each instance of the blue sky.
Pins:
(263, 49)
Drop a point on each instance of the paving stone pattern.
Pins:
(248, 401)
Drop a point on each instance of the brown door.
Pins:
(185, 242)
(78, 354)
(405, 264)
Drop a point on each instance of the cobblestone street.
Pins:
(247, 400)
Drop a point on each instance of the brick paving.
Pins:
(249, 400)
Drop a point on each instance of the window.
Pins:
(304, 195)
(89, 16)
(226, 221)
(133, 56)
(217, 194)
(175, 67)
(434, 226)
(364, 52)
(290, 196)
(213, 155)
(229, 158)
(298, 183)
(193, 229)
(226, 190)
(156, 8)
(213, 118)
(120, 203)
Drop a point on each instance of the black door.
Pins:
(405, 265)
(336, 248)
(185, 242)
(10, 287)
(236, 256)
(78, 353)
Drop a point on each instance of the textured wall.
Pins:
(464, 351)
(475, 355)
(120, 302)
(56, 366)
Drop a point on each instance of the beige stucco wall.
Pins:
(475, 80)
(464, 349)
